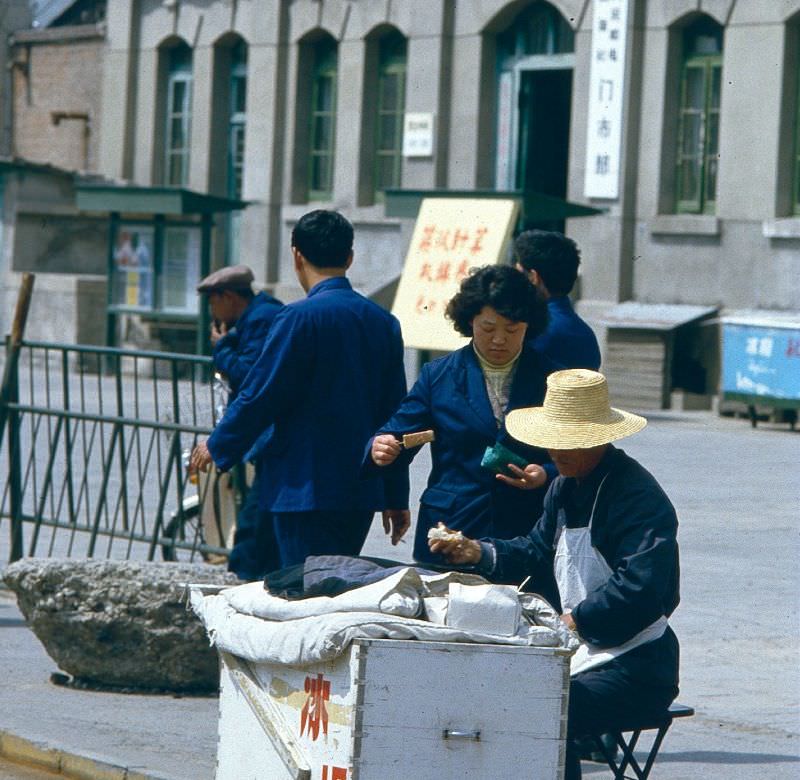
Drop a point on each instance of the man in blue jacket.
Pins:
(330, 374)
(239, 327)
(551, 262)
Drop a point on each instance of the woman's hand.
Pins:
(385, 449)
(531, 477)
(458, 550)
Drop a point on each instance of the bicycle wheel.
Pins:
(184, 528)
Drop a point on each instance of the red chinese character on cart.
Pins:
(443, 271)
(463, 270)
(477, 244)
(426, 242)
(336, 773)
(419, 306)
(426, 272)
(314, 711)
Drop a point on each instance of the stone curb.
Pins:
(69, 765)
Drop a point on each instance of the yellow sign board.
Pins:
(451, 236)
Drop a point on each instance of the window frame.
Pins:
(180, 72)
(708, 145)
(325, 66)
(391, 62)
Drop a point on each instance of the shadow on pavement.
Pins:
(724, 757)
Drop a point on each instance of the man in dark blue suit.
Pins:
(550, 260)
(330, 373)
(241, 320)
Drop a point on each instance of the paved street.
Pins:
(735, 490)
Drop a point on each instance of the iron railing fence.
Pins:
(95, 453)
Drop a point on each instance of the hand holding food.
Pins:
(453, 545)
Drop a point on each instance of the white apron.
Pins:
(579, 570)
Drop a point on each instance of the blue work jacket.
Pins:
(450, 397)
(236, 352)
(567, 341)
(330, 372)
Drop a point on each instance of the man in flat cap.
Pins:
(604, 551)
(330, 374)
(241, 320)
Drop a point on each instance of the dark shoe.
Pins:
(595, 754)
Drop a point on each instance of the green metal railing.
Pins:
(95, 447)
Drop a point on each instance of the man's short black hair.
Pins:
(506, 290)
(324, 238)
(552, 255)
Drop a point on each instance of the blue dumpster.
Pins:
(761, 362)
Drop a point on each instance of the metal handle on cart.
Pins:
(475, 736)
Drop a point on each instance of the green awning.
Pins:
(133, 199)
(535, 206)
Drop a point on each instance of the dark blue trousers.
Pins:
(255, 549)
(301, 534)
(604, 699)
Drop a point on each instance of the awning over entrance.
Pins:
(535, 207)
(132, 199)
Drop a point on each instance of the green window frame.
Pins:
(237, 119)
(322, 137)
(796, 158)
(178, 117)
(390, 112)
(697, 159)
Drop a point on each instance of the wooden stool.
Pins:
(628, 746)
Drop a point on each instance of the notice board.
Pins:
(451, 236)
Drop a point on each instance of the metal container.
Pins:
(397, 709)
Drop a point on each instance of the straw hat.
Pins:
(576, 414)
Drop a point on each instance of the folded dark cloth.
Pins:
(331, 575)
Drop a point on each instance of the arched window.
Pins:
(698, 119)
(539, 29)
(237, 117)
(390, 109)
(322, 135)
(178, 115)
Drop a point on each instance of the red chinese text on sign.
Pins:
(314, 712)
(336, 772)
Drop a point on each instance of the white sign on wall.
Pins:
(606, 90)
(418, 135)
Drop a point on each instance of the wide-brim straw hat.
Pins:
(576, 414)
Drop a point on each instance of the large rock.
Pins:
(119, 623)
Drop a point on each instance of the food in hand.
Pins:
(417, 439)
(441, 533)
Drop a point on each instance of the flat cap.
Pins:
(234, 277)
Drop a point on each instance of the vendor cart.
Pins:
(761, 362)
(390, 709)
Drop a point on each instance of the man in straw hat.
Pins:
(604, 551)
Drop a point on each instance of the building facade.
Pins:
(677, 118)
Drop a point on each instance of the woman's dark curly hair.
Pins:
(506, 290)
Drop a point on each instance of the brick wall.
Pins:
(58, 75)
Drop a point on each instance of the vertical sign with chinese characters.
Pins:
(606, 90)
(451, 236)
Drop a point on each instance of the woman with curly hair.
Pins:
(482, 482)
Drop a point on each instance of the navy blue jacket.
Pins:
(635, 530)
(567, 341)
(236, 352)
(330, 372)
(450, 397)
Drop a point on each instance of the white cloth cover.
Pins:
(308, 639)
(493, 608)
